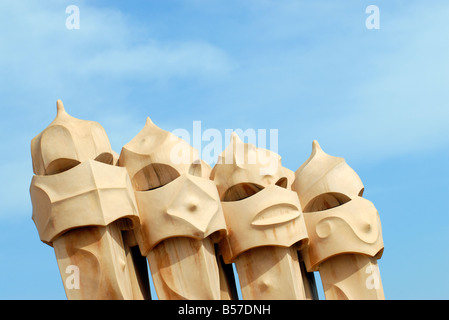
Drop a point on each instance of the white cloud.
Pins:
(367, 95)
(159, 61)
(400, 107)
(41, 61)
(107, 43)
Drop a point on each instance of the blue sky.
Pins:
(311, 69)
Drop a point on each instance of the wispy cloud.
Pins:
(90, 69)
(108, 44)
(399, 105)
(367, 94)
(311, 70)
(159, 61)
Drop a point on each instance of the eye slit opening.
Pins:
(195, 169)
(105, 157)
(282, 182)
(326, 201)
(61, 165)
(154, 176)
(241, 191)
(361, 192)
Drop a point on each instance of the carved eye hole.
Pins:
(61, 165)
(282, 182)
(326, 201)
(64, 164)
(105, 157)
(246, 189)
(241, 191)
(200, 169)
(195, 169)
(361, 192)
(154, 176)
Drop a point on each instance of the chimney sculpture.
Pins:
(264, 219)
(181, 215)
(106, 215)
(81, 204)
(344, 228)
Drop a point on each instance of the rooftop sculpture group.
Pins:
(159, 203)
